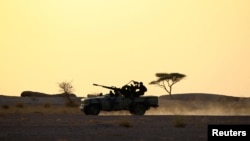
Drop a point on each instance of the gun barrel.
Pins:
(107, 87)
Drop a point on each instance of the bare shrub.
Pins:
(19, 105)
(5, 106)
(62, 139)
(179, 122)
(124, 123)
(71, 104)
(47, 105)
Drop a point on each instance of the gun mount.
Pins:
(132, 89)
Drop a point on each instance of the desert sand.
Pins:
(75, 127)
(184, 118)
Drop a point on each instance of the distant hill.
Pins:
(202, 104)
(39, 94)
(202, 97)
(36, 98)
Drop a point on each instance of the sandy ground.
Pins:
(179, 119)
(75, 127)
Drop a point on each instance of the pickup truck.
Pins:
(135, 105)
(129, 97)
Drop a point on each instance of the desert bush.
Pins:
(20, 105)
(62, 139)
(47, 105)
(71, 104)
(179, 123)
(5, 106)
(125, 123)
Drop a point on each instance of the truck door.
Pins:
(116, 103)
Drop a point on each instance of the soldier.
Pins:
(129, 90)
(142, 89)
(111, 93)
(117, 92)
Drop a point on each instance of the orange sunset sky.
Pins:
(110, 42)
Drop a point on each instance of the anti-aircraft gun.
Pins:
(132, 89)
(117, 91)
(128, 97)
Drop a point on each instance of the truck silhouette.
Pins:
(129, 97)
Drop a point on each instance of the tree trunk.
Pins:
(70, 101)
(170, 92)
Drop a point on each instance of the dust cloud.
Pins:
(196, 107)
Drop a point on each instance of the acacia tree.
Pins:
(67, 89)
(167, 80)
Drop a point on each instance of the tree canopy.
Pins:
(167, 80)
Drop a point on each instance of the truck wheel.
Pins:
(92, 110)
(138, 109)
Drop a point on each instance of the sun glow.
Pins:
(111, 42)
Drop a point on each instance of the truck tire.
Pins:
(92, 110)
(138, 109)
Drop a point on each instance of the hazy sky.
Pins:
(110, 42)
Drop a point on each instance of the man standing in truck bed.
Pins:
(140, 89)
(135, 89)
